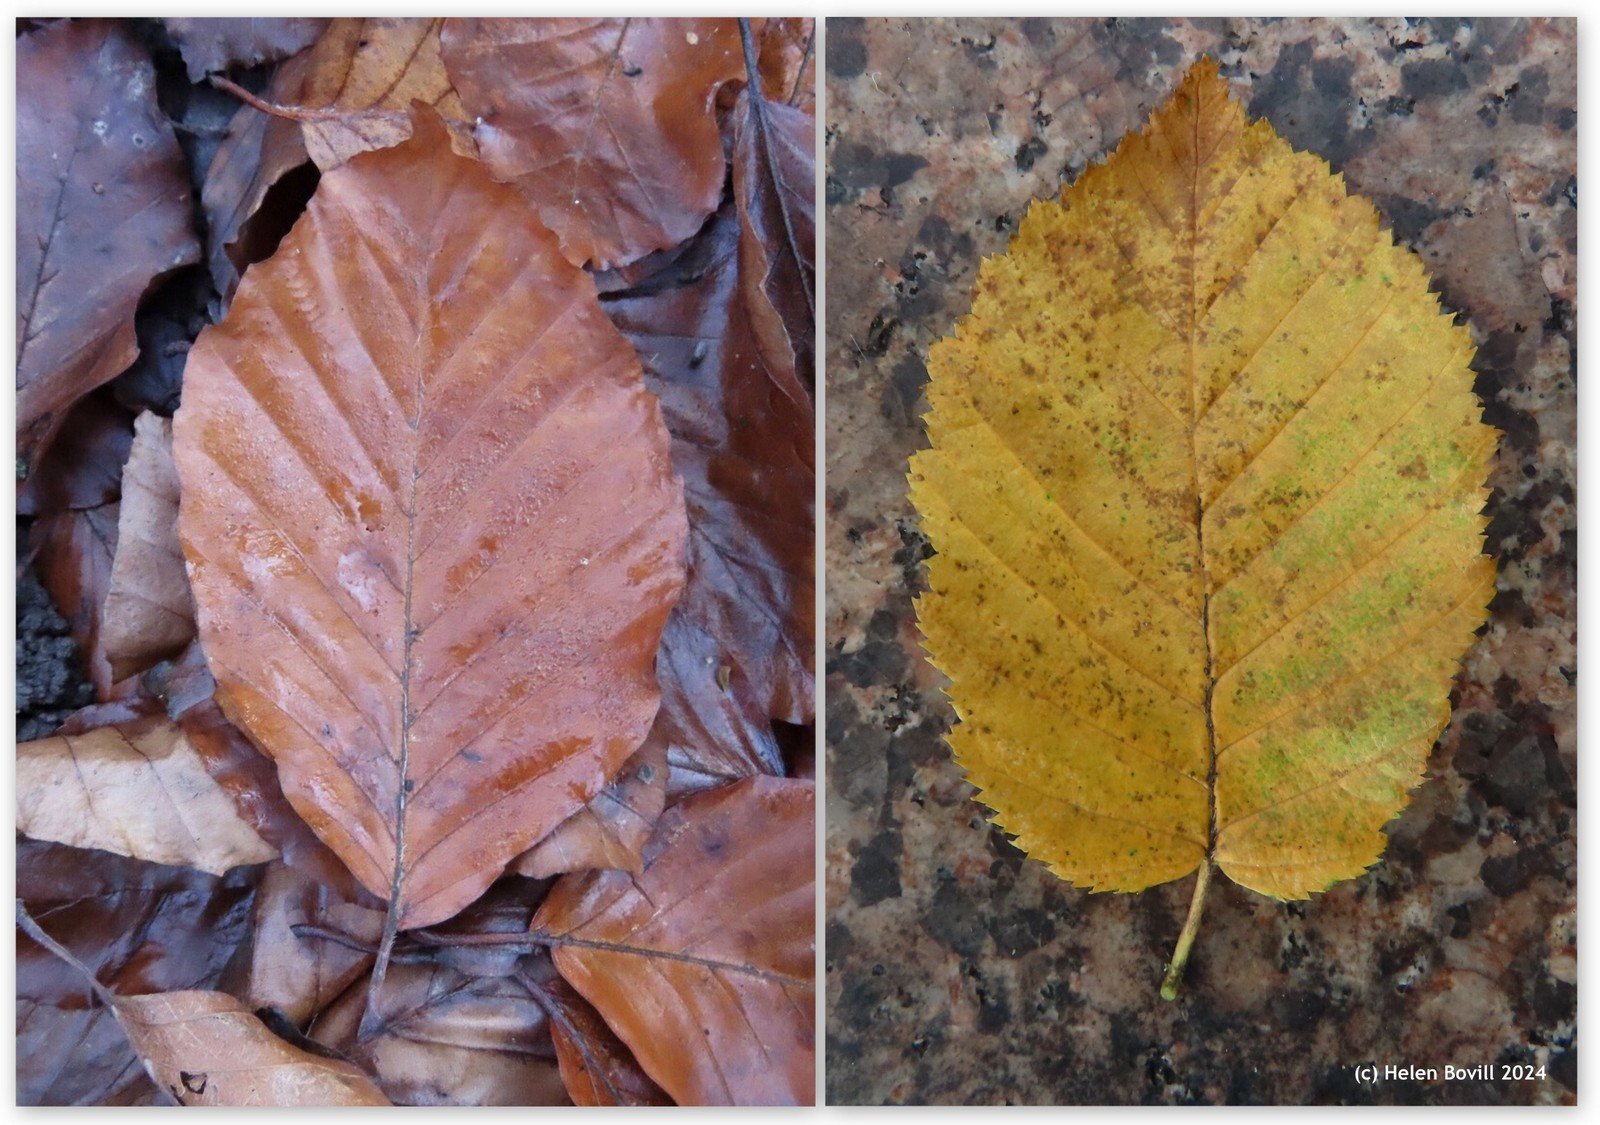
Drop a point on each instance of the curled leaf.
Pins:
(434, 598)
(1206, 483)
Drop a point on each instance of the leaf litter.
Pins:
(373, 696)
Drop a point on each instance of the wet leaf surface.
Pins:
(737, 651)
(142, 928)
(611, 830)
(103, 209)
(703, 964)
(607, 125)
(399, 723)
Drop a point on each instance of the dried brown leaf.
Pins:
(137, 789)
(149, 613)
(703, 964)
(427, 502)
(102, 209)
(74, 551)
(596, 1066)
(607, 125)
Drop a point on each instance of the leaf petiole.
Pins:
(1191, 926)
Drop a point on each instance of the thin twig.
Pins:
(558, 1015)
(288, 112)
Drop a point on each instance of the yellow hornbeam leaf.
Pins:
(1206, 483)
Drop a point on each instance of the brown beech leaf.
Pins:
(140, 927)
(788, 61)
(774, 182)
(703, 964)
(102, 209)
(258, 182)
(149, 613)
(431, 524)
(137, 789)
(738, 649)
(300, 976)
(74, 550)
(206, 1048)
(210, 44)
(447, 1037)
(83, 467)
(611, 830)
(607, 124)
(596, 1066)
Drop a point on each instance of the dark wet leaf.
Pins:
(140, 927)
(737, 652)
(102, 210)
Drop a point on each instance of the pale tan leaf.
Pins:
(149, 612)
(205, 1048)
(138, 789)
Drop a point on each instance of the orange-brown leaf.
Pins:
(432, 527)
(103, 207)
(606, 124)
(611, 830)
(703, 964)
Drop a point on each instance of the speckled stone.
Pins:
(957, 969)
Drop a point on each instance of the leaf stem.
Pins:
(1191, 926)
(288, 112)
(33, 930)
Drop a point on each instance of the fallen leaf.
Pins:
(250, 780)
(611, 830)
(149, 614)
(703, 964)
(596, 1066)
(140, 927)
(103, 210)
(445, 1037)
(137, 789)
(788, 66)
(774, 182)
(83, 467)
(213, 44)
(206, 1048)
(1205, 483)
(414, 390)
(737, 652)
(300, 976)
(74, 551)
(257, 184)
(607, 125)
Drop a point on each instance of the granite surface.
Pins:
(960, 971)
